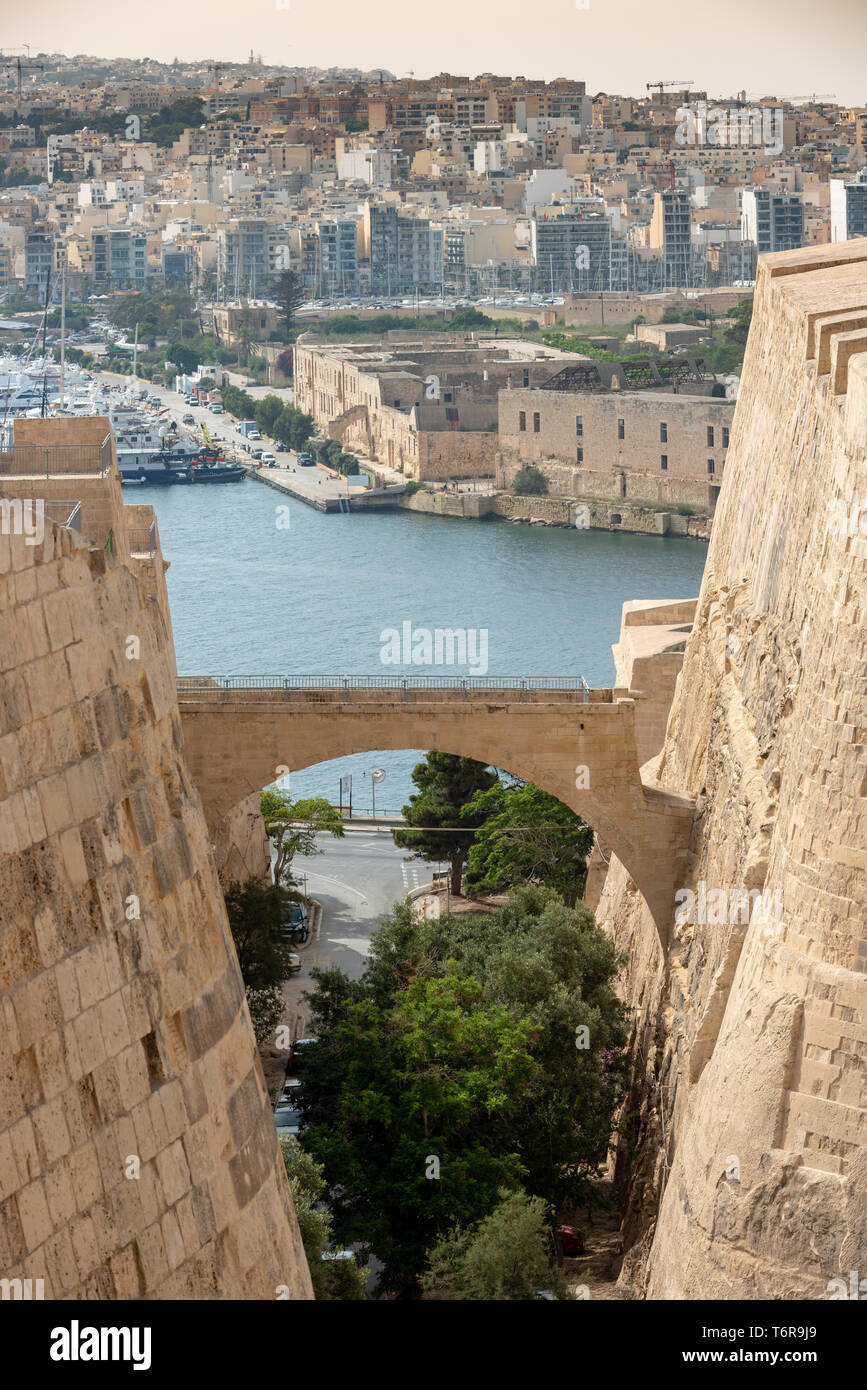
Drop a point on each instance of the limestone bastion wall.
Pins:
(124, 1032)
(751, 1039)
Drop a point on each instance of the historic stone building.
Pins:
(424, 406)
(648, 447)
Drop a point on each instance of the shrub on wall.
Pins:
(530, 481)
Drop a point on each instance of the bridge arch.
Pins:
(576, 744)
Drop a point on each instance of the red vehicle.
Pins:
(570, 1240)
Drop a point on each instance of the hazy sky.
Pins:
(783, 47)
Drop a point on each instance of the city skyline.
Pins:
(744, 50)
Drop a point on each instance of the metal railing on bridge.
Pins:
(218, 688)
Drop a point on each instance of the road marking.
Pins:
(351, 944)
(323, 878)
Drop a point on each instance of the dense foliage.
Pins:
(476, 1053)
(289, 426)
(526, 836)
(505, 1256)
(332, 1279)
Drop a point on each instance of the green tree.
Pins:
(170, 122)
(291, 294)
(530, 481)
(526, 836)
(436, 829)
(294, 825)
(185, 358)
(267, 411)
(507, 1255)
(419, 1085)
(244, 329)
(551, 964)
(293, 428)
(332, 1279)
(742, 317)
(255, 909)
(239, 403)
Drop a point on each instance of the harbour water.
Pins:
(260, 584)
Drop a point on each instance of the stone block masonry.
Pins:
(138, 1155)
(751, 1045)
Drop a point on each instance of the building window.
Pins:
(663, 432)
(579, 425)
(663, 462)
(725, 436)
(536, 422)
(621, 429)
(526, 376)
(710, 467)
(522, 419)
(580, 454)
(710, 436)
(447, 395)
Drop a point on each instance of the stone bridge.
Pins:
(578, 744)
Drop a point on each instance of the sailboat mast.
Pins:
(63, 337)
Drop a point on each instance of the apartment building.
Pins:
(848, 200)
(120, 258)
(671, 233)
(38, 261)
(338, 255)
(370, 166)
(773, 221)
(570, 248)
(246, 254)
(406, 253)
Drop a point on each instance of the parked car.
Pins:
(256, 453)
(268, 459)
(300, 1049)
(291, 1090)
(188, 419)
(305, 460)
(216, 408)
(294, 962)
(288, 1120)
(294, 923)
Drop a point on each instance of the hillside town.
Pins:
(493, 188)
(486, 236)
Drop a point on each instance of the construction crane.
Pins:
(801, 96)
(679, 82)
(24, 65)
